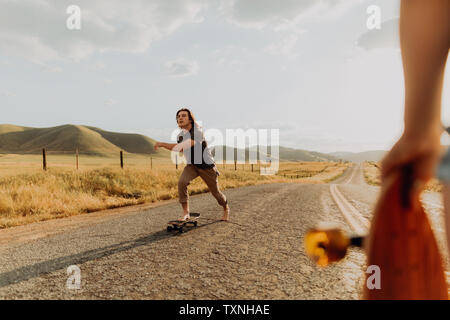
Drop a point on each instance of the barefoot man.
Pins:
(199, 161)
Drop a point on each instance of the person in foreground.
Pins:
(199, 162)
(425, 41)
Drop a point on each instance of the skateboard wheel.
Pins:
(181, 230)
(169, 228)
(195, 223)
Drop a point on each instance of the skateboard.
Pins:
(180, 224)
(402, 244)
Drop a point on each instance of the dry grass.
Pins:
(28, 194)
(312, 172)
(373, 177)
(372, 173)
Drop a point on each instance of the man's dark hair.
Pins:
(190, 115)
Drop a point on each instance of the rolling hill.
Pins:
(285, 154)
(6, 128)
(375, 155)
(67, 138)
(290, 154)
(95, 141)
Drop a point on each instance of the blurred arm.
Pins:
(424, 40)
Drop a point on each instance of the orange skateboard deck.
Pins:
(402, 244)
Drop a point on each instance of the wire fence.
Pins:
(12, 164)
(123, 159)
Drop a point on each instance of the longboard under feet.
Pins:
(179, 224)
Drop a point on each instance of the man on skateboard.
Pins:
(199, 162)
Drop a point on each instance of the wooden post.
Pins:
(176, 161)
(235, 165)
(252, 167)
(121, 159)
(77, 157)
(44, 159)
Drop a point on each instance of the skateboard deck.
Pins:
(402, 244)
(180, 224)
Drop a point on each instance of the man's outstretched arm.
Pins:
(168, 146)
(178, 147)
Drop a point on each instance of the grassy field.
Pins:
(29, 194)
(373, 177)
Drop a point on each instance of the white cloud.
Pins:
(385, 37)
(280, 15)
(36, 29)
(97, 66)
(260, 13)
(50, 68)
(232, 57)
(111, 102)
(181, 68)
(7, 94)
(284, 47)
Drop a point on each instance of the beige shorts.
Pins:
(210, 176)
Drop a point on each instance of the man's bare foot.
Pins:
(226, 214)
(185, 217)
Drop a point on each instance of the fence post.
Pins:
(235, 165)
(176, 161)
(77, 157)
(44, 159)
(121, 159)
(252, 167)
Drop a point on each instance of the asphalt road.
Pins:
(257, 255)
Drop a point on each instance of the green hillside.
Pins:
(67, 138)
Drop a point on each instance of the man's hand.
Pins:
(157, 145)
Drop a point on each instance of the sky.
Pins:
(311, 68)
